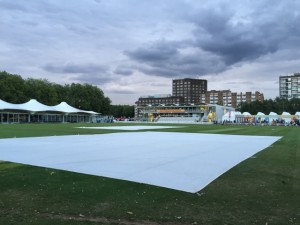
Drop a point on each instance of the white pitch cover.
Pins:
(181, 161)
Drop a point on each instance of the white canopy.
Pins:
(286, 116)
(260, 114)
(65, 107)
(35, 106)
(246, 114)
(230, 116)
(6, 105)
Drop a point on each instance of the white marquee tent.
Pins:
(272, 119)
(34, 111)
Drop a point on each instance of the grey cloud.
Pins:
(233, 51)
(76, 69)
(224, 36)
(12, 5)
(97, 78)
(169, 61)
(158, 51)
(240, 83)
(159, 38)
(235, 40)
(87, 73)
(121, 91)
(123, 71)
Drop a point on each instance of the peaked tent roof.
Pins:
(35, 106)
(65, 107)
(6, 105)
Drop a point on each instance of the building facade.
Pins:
(228, 98)
(189, 89)
(182, 113)
(160, 100)
(289, 86)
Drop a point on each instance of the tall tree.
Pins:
(12, 88)
(41, 90)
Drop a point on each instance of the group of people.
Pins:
(264, 122)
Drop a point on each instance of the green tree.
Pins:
(12, 88)
(41, 90)
(122, 110)
(87, 97)
(278, 105)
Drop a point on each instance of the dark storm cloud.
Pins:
(269, 28)
(233, 42)
(224, 37)
(155, 52)
(166, 59)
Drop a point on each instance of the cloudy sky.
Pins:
(130, 48)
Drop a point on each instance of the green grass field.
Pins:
(263, 190)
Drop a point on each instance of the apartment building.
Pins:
(228, 98)
(289, 86)
(189, 89)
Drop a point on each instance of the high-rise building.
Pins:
(228, 98)
(289, 86)
(190, 89)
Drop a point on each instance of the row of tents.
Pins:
(34, 111)
(271, 118)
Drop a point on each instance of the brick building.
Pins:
(233, 99)
(189, 89)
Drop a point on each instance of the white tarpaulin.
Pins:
(181, 161)
(129, 127)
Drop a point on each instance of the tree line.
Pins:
(278, 105)
(15, 89)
